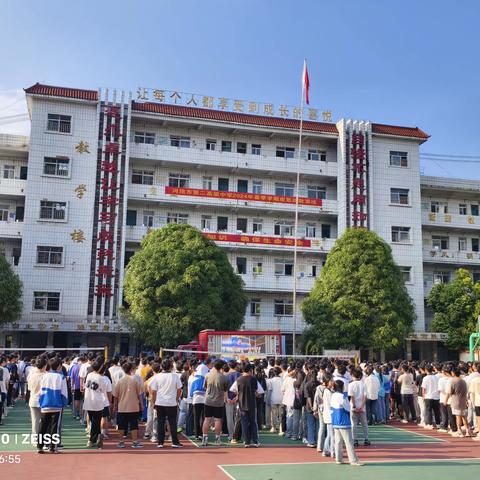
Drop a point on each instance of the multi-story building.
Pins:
(103, 170)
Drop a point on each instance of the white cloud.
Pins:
(13, 102)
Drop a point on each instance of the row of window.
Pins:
(440, 242)
(282, 267)
(442, 207)
(7, 215)
(181, 180)
(213, 144)
(284, 228)
(281, 308)
(444, 277)
(9, 172)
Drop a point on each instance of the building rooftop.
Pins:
(220, 115)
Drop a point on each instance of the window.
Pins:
(255, 307)
(178, 180)
(256, 149)
(326, 230)
(177, 141)
(131, 218)
(241, 147)
(462, 209)
(401, 234)
(257, 225)
(177, 218)
(257, 186)
(59, 123)
(242, 225)
(316, 154)
(46, 301)
(49, 255)
(474, 210)
(399, 196)
(210, 144)
(142, 177)
(207, 183)
(9, 171)
(438, 207)
(476, 277)
(206, 222)
(56, 166)
(475, 245)
(462, 243)
(284, 228)
(399, 159)
(145, 137)
(223, 184)
(241, 265)
(284, 267)
(285, 152)
(284, 189)
(311, 230)
(53, 210)
(283, 308)
(257, 267)
(242, 186)
(441, 277)
(314, 191)
(222, 224)
(406, 274)
(440, 243)
(23, 172)
(226, 146)
(148, 218)
(3, 213)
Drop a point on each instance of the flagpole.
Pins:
(294, 302)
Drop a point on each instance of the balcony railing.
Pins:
(450, 220)
(12, 187)
(11, 229)
(450, 256)
(269, 282)
(266, 162)
(169, 195)
(247, 241)
(14, 141)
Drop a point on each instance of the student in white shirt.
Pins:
(274, 389)
(431, 397)
(372, 387)
(95, 388)
(35, 387)
(358, 399)
(4, 381)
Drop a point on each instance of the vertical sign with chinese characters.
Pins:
(358, 177)
(109, 196)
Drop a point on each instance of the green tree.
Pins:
(10, 293)
(178, 284)
(360, 299)
(456, 306)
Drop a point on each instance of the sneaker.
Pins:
(442, 430)
(428, 427)
(137, 445)
(179, 429)
(40, 450)
(311, 445)
(99, 443)
(281, 434)
(356, 464)
(204, 441)
(89, 444)
(146, 436)
(355, 443)
(121, 445)
(233, 441)
(177, 445)
(247, 445)
(256, 445)
(154, 439)
(218, 441)
(272, 430)
(160, 445)
(404, 421)
(366, 443)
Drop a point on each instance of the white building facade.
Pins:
(103, 170)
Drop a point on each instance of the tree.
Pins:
(360, 299)
(456, 307)
(10, 293)
(178, 284)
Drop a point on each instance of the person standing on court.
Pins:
(35, 388)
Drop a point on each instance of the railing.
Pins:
(12, 186)
(450, 256)
(266, 162)
(14, 141)
(450, 219)
(11, 229)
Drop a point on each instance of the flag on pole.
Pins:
(306, 81)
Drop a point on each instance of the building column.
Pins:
(50, 340)
(435, 351)
(116, 350)
(409, 349)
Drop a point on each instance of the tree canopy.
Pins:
(178, 284)
(10, 293)
(360, 299)
(456, 307)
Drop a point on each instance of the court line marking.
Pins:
(419, 434)
(476, 459)
(226, 473)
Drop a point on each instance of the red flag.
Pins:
(306, 81)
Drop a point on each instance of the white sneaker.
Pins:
(404, 421)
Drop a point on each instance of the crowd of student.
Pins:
(318, 401)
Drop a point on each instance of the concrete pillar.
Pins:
(409, 349)
(118, 337)
(50, 340)
(435, 351)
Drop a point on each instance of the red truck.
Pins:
(239, 343)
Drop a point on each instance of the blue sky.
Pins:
(407, 62)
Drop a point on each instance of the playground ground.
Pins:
(397, 452)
